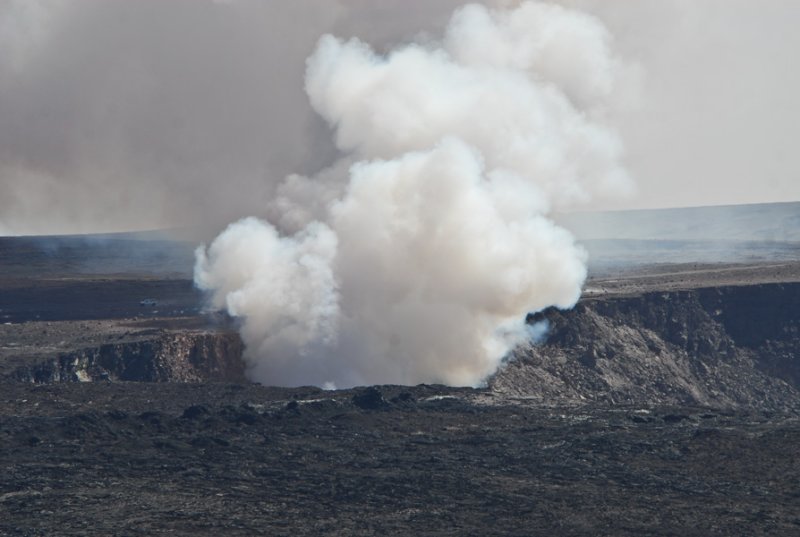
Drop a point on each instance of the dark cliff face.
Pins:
(724, 346)
(167, 357)
(766, 319)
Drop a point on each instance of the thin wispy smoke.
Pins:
(416, 258)
(149, 114)
(720, 115)
(133, 115)
(118, 116)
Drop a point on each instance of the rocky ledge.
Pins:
(194, 356)
(729, 346)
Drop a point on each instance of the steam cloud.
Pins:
(415, 258)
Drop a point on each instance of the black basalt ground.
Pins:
(666, 403)
(149, 460)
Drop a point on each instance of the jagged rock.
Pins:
(168, 357)
(404, 399)
(195, 411)
(117, 415)
(370, 399)
(732, 346)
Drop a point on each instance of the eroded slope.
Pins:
(718, 346)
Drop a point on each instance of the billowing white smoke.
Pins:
(416, 258)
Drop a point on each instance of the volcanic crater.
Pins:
(667, 401)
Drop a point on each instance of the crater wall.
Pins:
(720, 346)
(167, 357)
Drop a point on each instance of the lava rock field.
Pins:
(653, 408)
(217, 459)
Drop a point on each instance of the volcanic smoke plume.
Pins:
(416, 257)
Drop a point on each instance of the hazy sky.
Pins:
(719, 117)
(137, 115)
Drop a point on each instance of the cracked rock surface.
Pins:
(220, 459)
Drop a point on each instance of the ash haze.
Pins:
(188, 113)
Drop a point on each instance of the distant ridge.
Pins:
(755, 222)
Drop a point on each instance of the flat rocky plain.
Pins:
(666, 403)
